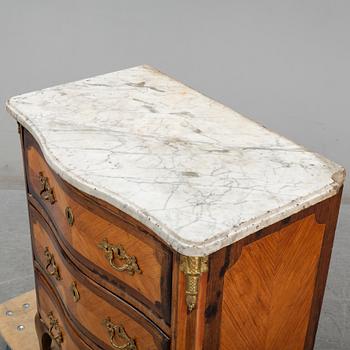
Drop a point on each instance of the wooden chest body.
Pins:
(262, 292)
(161, 219)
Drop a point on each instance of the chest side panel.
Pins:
(268, 292)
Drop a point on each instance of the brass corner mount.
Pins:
(192, 267)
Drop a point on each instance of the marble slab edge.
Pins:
(185, 247)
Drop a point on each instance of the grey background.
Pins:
(283, 63)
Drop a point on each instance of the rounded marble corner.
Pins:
(12, 110)
(339, 177)
(8, 107)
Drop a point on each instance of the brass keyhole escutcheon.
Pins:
(75, 292)
(69, 216)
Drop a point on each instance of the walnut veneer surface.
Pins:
(109, 278)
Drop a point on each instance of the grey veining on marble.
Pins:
(200, 175)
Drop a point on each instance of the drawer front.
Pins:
(121, 254)
(54, 320)
(105, 318)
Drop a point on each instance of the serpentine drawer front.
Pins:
(53, 322)
(89, 305)
(125, 256)
(161, 219)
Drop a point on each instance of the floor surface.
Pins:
(16, 272)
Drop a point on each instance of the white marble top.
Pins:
(200, 175)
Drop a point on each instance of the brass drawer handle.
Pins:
(75, 292)
(117, 251)
(55, 329)
(69, 216)
(51, 266)
(118, 331)
(46, 192)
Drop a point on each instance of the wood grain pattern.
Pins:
(328, 214)
(218, 264)
(268, 291)
(91, 226)
(95, 304)
(47, 304)
(325, 213)
(188, 326)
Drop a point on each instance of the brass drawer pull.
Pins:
(55, 329)
(69, 216)
(46, 192)
(118, 331)
(75, 292)
(51, 266)
(117, 251)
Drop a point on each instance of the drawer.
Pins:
(104, 317)
(55, 323)
(120, 254)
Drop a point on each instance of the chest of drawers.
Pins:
(161, 219)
